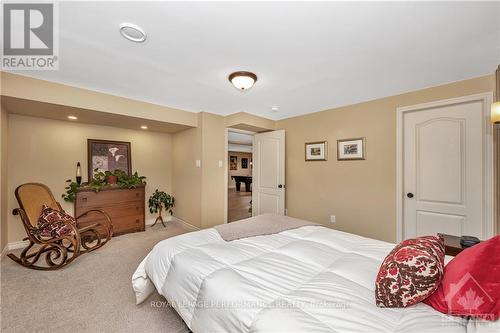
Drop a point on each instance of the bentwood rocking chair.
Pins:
(60, 241)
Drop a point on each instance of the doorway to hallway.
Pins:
(240, 174)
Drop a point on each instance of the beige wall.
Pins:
(249, 122)
(186, 149)
(199, 192)
(3, 178)
(213, 129)
(240, 171)
(18, 86)
(360, 193)
(46, 151)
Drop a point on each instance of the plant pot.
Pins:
(111, 179)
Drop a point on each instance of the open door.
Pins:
(268, 193)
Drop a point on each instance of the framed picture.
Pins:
(351, 149)
(233, 163)
(316, 151)
(244, 163)
(106, 155)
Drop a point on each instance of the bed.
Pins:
(306, 279)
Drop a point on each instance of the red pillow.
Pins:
(471, 283)
(49, 215)
(410, 273)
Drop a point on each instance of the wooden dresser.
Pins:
(126, 207)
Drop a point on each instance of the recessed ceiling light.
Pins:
(144, 127)
(72, 118)
(275, 108)
(242, 80)
(132, 32)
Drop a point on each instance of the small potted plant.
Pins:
(158, 201)
(111, 177)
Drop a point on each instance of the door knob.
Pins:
(280, 186)
(409, 195)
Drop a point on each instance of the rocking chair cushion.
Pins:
(50, 223)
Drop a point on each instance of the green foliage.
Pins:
(126, 181)
(71, 190)
(159, 198)
(100, 180)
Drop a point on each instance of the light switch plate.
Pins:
(198, 163)
(221, 164)
(333, 219)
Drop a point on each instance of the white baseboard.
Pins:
(14, 246)
(189, 225)
(169, 218)
(152, 220)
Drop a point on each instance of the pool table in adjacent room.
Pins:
(243, 179)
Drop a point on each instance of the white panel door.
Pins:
(268, 187)
(443, 171)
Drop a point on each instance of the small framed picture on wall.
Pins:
(244, 163)
(316, 151)
(351, 149)
(233, 163)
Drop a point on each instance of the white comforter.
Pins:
(310, 279)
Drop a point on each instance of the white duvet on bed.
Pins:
(310, 279)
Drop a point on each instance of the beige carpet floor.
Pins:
(92, 294)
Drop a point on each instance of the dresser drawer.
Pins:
(129, 224)
(88, 199)
(121, 225)
(115, 211)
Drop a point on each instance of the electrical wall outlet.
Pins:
(333, 219)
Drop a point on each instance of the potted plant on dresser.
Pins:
(158, 201)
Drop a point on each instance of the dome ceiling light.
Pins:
(242, 80)
(132, 32)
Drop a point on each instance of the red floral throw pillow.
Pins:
(410, 273)
(471, 283)
(49, 223)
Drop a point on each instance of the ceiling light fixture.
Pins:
(72, 118)
(144, 127)
(242, 80)
(275, 108)
(132, 32)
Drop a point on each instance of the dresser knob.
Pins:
(84, 199)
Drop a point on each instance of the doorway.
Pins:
(445, 168)
(240, 174)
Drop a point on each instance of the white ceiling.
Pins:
(308, 56)
(239, 148)
(240, 138)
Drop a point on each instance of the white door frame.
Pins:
(226, 171)
(488, 186)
